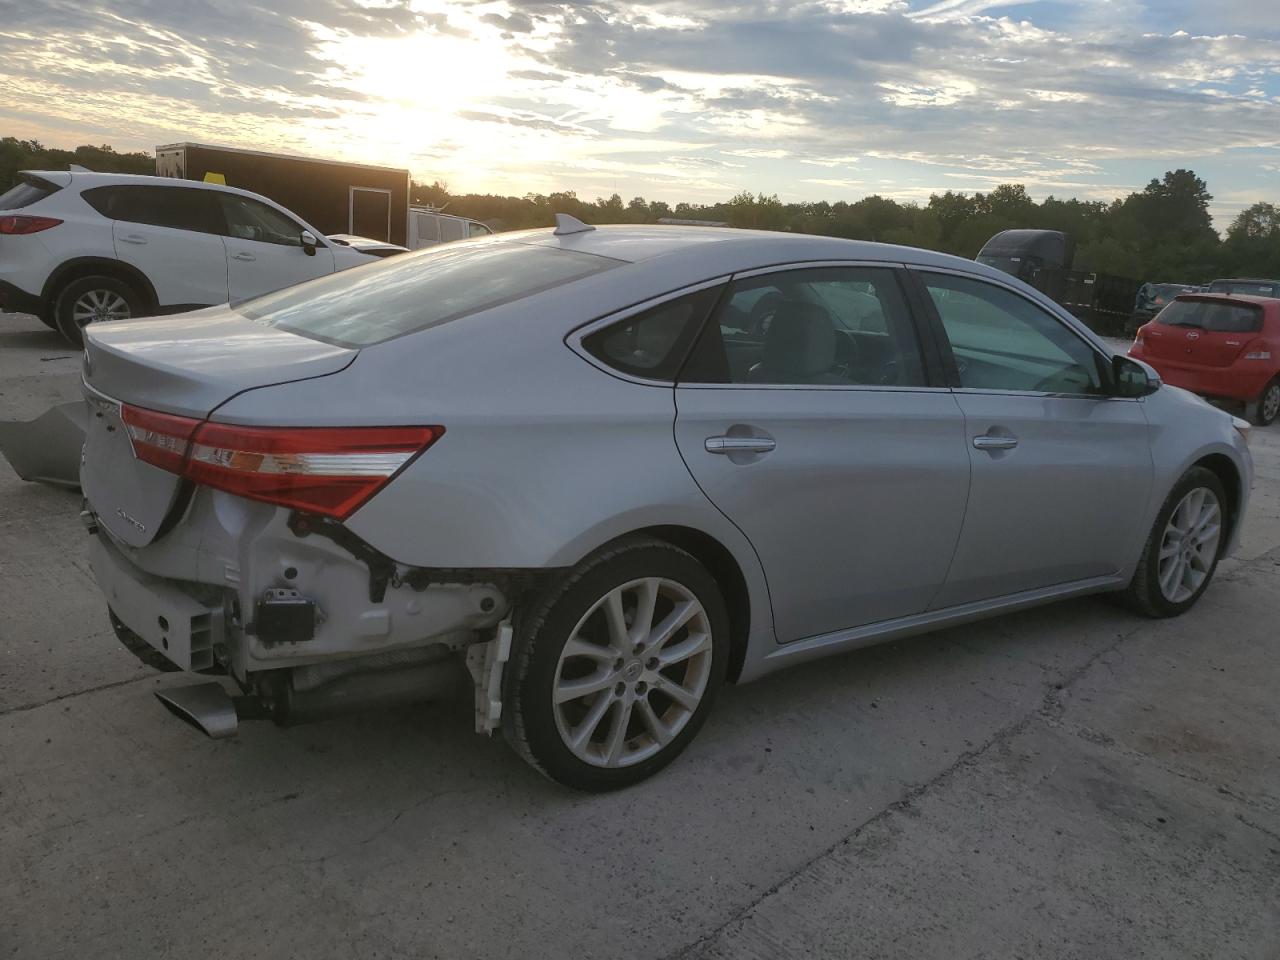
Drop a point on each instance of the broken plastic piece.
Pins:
(46, 449)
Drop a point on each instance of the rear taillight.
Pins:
(158, 438)
(19, 226)
(330, 471)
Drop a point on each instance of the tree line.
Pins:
(1162, 232)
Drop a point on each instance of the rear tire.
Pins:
(1183, 548)
(150, 656)
(1267, 407)
(94, 300)
(616, 666)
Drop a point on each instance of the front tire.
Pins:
(616, 666)
(1267, 407)
(94, 300)
(1183, 548)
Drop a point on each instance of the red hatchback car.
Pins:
(1221, 346)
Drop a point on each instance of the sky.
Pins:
(693, 100)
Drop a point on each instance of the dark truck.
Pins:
(337, 197)
(1043, 259)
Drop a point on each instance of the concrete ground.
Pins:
(1068, 782)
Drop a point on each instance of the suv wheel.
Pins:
(94, 300)
(1267, 407)
(617, 666)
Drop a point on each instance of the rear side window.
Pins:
(178, 208)
(653, 344)
(26, 193)
(1213, 317)
(415, 291)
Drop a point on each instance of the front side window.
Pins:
(653, 344)
(1003, 341)
(415, 291)
(249, 219)
(477, 229)
(178, 208)
(834, 326)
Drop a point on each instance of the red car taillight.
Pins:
(19, 226)
(331, 471)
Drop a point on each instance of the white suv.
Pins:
(79, 247)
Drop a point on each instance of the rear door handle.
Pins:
(740, 444)
(995, 443)
(244, 257)
(134, 238)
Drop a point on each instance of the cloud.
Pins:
(1088, 97)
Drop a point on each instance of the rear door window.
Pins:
(26, 193)
(415, 291)
(835, 326)
(178, 208)
(1213, 317)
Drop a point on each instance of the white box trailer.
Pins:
(429, 226)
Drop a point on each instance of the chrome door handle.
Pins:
(995, 443)
(244, 257)
(739, 444)
(134, 238)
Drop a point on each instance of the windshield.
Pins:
(1253, 288)
(1213, 317)
(415, 291)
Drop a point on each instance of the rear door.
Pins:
(1061, 471)
(264, 248)
(1206, 333)
(170, 233)
(806, 416)
(370, 213)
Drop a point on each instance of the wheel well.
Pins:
(1222, 467)
(97, 267)
(728, 575)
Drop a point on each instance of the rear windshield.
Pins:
(26, 193)
(1214, 317)
(415, 291)
(1251, 288)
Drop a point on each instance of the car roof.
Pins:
(1245, 280)
(85, 179)
(724, 248)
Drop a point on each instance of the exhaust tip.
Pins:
(206, 706)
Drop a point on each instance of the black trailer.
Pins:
(332, 196)
(1043, 259)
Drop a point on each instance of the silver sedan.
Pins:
(609, 469)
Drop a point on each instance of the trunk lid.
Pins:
(1203, 332)
(187, 366)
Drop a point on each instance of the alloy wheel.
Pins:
(1189, 546)
(632, 673)
(1271, 403)
(97, 306)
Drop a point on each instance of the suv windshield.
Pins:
(415, 291)
(26, 193)
(1213, 317)
(1253, 288)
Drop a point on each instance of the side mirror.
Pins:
(1133, 378)
(309, 243)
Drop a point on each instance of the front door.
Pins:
(264, 248)
(805, 416)
(1061, 470)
